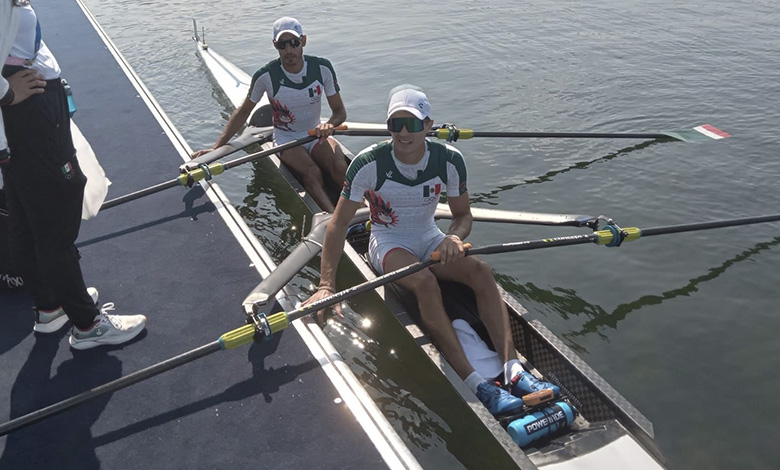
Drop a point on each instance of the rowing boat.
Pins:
(608, 431)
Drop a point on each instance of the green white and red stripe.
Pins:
(698, 134)
(712, 131)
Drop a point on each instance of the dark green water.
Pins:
(684, 326)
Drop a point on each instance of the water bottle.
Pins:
(541, 423)
(69, 95)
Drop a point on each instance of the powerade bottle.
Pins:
(538, 424)
(69, 95)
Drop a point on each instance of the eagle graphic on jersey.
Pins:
(283, 117)
(381, 213)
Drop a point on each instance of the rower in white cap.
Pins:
(295, 84)
(402, 179)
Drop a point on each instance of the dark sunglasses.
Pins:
(21, 3)
(281, 45)
(412, 124)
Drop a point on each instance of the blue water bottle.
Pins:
(69, 95)
(540, 423)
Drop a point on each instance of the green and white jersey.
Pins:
(296, 99)
(403, 197)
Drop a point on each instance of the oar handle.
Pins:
(342, 127)
(436, 255)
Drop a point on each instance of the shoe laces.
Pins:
(108, 307)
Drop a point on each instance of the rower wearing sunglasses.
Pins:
(402, 179)
(295, 84)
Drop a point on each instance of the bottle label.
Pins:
(545, 421)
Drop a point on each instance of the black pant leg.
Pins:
(49, 185)
(22, 247)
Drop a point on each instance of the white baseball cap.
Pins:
(409, 98)
(287, 24)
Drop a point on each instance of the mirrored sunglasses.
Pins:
(283, 44)
(412, 124)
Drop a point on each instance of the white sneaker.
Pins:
(108, 329)
(49, 322)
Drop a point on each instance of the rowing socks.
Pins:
(473, 381)
(512, 367)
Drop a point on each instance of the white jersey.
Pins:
(296, 99)
(29, 45)
(9, 23)
(403, 197)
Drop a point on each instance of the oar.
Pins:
(451, 133)
(258, 135)
(233, 339)
(204, 172)
(268, 325)
(612, 235)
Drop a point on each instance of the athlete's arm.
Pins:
(451, 248)
(335, 235)
(337, 116)
(237, 119)
(332, 249)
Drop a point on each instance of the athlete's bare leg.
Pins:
(435, 320)
(331, 159)
(478, 275)
(299, 161)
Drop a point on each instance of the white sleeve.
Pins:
(360, 177)
(259, 87)
(456, 174)
(328, 81)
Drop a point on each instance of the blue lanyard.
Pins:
(37, 34)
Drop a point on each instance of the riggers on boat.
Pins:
(607, 431)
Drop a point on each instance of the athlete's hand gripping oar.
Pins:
(451, 133)
(204, 172)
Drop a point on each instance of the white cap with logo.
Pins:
(409, 98)
(287, 24)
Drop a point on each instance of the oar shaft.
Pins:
(360, 288)
(139, 194)
(112, 386)
(468, 134)
(535, 244)
(269, 152)
(648, 232)
(199, 174)
(566, 135)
